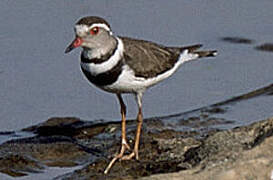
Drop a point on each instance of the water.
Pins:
(39, 81)
(48, 173)
(7, 136)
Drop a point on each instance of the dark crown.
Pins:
(89, 20)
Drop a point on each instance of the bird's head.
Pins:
(92, 33)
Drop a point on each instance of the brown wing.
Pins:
(148, 59)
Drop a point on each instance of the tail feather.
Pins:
(206, 53)
(193, 49)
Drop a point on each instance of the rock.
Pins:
(265, 47)
(15, 164)
(239, 153)
(237, 40)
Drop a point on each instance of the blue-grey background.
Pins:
(38, 81)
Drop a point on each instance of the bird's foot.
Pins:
(124, 147)
(130, 156)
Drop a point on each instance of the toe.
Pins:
(128, 157)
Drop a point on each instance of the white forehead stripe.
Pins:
(102, 25)
(81, 29)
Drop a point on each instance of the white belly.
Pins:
(128, 83)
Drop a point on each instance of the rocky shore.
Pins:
(239, 153)
(192, 145)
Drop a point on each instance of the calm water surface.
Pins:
(38, 81)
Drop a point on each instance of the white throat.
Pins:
(96, 69)
(92, 53)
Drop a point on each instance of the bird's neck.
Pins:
(99, 55)
(104, 64)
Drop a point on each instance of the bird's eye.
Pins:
(94, 30)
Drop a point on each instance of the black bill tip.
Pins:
(69, 48)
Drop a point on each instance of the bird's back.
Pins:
(148, 59)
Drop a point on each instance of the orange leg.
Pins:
(138, 131)
(137, 138)
(124, 144)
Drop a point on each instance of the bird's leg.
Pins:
(138, 131)
(124, 144)
(137, 138)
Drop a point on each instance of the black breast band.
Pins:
(106, 78)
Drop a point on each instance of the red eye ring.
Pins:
(94, 30)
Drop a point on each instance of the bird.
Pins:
(124, 65)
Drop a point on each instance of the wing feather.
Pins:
(148, 59)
